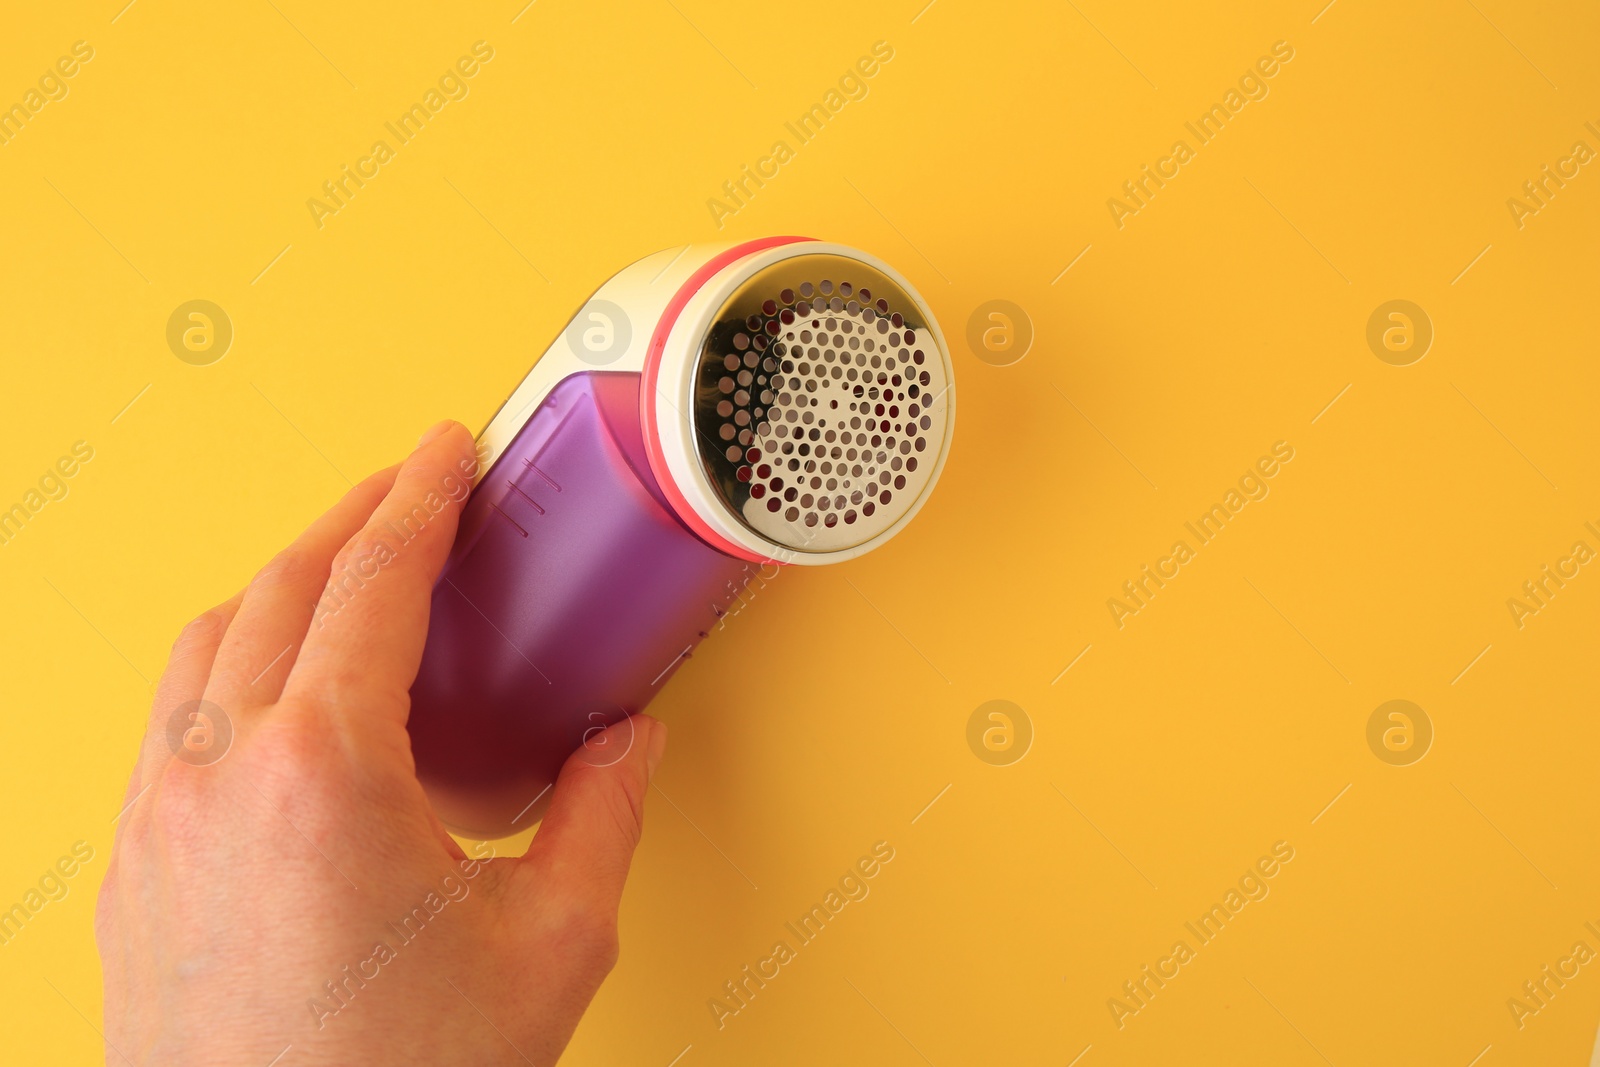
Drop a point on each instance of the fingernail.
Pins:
(434, 431)
(658, 745)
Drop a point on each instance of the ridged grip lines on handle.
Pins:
(572, 594)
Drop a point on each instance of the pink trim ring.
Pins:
(647, 394)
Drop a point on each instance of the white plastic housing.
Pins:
(644, 292)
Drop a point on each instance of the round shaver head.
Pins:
(813, 403)
(817, 410)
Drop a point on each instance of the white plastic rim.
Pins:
(641, 291)
(674, 393)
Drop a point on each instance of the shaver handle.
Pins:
(571, 595)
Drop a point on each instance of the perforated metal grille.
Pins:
(821, 403)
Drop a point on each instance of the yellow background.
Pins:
(1223, 317)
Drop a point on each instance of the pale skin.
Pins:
(238, 889)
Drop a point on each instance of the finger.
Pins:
(365, 643)
(580, 857)
(260, 646)
(188, 667)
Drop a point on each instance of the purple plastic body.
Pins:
(571, 595)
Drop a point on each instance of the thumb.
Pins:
(579, 859)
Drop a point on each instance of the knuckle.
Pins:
(588, 935)
(362, 557)
(180, 804)
(199, 632)
(380, 478)
(290, 747)
(606, 950)
(289, 569)
(625, 805)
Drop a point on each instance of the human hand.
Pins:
(297, 897)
